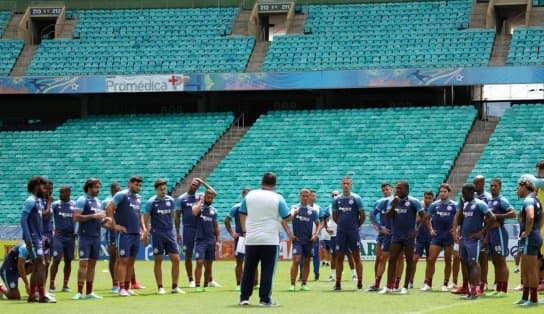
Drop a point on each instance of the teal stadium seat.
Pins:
(149, 41)
(383, 35)
(9, 49)
(527, 46)
(151, 145)
(316, 148)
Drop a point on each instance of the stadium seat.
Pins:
(9, 49)
(527, 46)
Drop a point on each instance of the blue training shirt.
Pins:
(48, 224)
(128, 209)
(442, 215)
(347, 208)
(185, 204)
(63, 220)
(531, 201)
(424, 234)
(404, 220)
(473, 217)
(499, 205)
(161, 210)
(205, 226)
(234, 214)
(89, 205)
(378, 212)
(303, 223)
(31, 219)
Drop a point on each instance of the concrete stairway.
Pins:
(258, 55)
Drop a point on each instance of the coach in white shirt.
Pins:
(262, 213)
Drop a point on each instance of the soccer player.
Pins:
(530, 241)
(483, 195)
(497, 237)
(234, 214)
(184, 210)
(382, 225)
(124, 211)
(47, 225)
(89, 214)
(111, 240)
(32, 225)
(206, 238)
(64, 241)
(442, 213)
(315, 257)
(305, 217)
(17, 263)
(349, 214)
(423, 237)
(473, 217)
(402, 209)
(160, 209)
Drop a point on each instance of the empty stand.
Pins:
(112, 148)
(527, 47)
(9, 49)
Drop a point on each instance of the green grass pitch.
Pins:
(225, 299)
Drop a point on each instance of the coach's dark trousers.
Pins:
(267, 255)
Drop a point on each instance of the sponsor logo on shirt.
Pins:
(344, 209)
(65, 215)
(164, 211)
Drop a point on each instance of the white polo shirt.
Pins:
(264, 210)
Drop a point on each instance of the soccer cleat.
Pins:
(192, 284)
(316, 277)
(445, 289)
(52, 290)
(373, 289)
(92, 295)
(199, 289)
(66, 289)
(516, 270)
(470, 297)
(336, 288)
(385, 291)
(78, 296)
(244, 303)
(214, 283)
(270, 303)
(31, 300)
(137, 286)
(426, 287)
(331, 278)
(354, 277)
(403, 291)
(237, 288)
(518, 288)
(178, 291)
(47, 299)
(460, 290)
(452, 286)
(161, 291)
(529, 303)
(115, 289)
(520, 301)
(492, 294)
(131, 292)
(124, 293)
(305, 288)
(292, 288)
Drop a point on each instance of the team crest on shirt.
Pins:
(168, 203)
(473, 207)
(407, 203)
(351, 202)
(450, 208)
(495, 203)
(212, 212)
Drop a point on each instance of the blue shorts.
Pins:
(530, 245)
(128, 244)
(164, 242)
(497, 241)
(442, 239)
(386, 243)
(236, 254)
(89, 247)
(111, 237)
(48, 237)
(422, 248)
(469, 250)
(189, 234)
(325, 244)
(348, 241)
(303, 249)
(332, 245)
(10, 275)
(205, 250)
(64, 245)
(37, 249)
(402, 240)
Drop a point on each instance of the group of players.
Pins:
(467, 232)
(50, 229)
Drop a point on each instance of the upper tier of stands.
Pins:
(514, 149)
(111, 148)
(317, 148)
(146, 42)
(383, 35)
(527, 47)
(9, 49)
